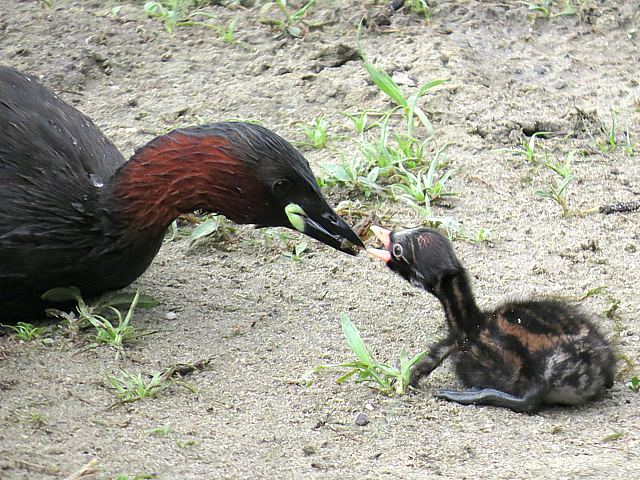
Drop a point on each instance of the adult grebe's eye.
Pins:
(397, 250)
(281, 188)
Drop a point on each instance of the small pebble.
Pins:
(361, 419)
(171, 316)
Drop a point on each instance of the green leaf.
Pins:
(127, 318)
(205, 229)
(354, 341)
(295, 32)
(124, 300)
(423, 119)
(62, 294)
(296, 215)
(347, 376)
(336, 171)
(429, 85)
(301, 12)
(416, 358)
(263, 15)
(404, 358)
(389, 370)
(563, 185)
(385, 83)
(300, 248)
(372, 177)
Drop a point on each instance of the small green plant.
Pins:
(422, 188)
(558, 189)
(408, 105)
(558, 193)
(316, 133)
(384, 377)
(131, 387)
(198, 226)
(543, 9)
(298, 250)
(634, 383)
(387, 159)
(354, 172)
(162, 431)
(527, 148)
(271, 236)
(114, 332)
(360, 121)
(227, 33)
(38, 419)
(213, 226)
(293, 22)
(628, 146)
(381, 153)
(26, 331)
(419, 7)
(174, 13)
(482, 235)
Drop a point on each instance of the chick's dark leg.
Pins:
(528, 403)
(437, 353)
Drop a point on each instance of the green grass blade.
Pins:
(406, 367)
(354, 340)
(386, 84)
(62, 294)
(423, 119)
(134, 302)
(381, 78)
(347, 376)
(429, 85)
(300, 13)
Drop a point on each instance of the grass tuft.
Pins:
(316, 133)
(385, 377)
(26, 331)
(557, 191)
(114, 331)
(175, 13)
(130, 387)
(287, 22)
(407, 104)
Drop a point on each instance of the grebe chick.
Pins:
(522, 355)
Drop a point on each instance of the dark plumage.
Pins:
(520, 355)
(73, 212)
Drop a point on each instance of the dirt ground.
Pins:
(265, 321)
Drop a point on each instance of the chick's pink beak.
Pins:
(383, 235)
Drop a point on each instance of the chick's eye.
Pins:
(281, 188)
(397, 250)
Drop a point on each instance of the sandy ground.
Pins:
(264, 320)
